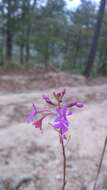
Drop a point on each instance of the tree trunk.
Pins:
(8, 44)
(2, 49)
(28, 44)
(1, 56)
(9, 35)
(21, 54)
(27, 52)
(94, 45)
(78, 46)
(46, 54)
(103, 68)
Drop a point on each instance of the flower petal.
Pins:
(79, 105)
(32, 114)
(75, 103)
(47, 99)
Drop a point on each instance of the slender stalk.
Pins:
(64, 165)
(100, 164)
(64, 158)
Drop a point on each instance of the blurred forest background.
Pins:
(50, 34)
(47, 46)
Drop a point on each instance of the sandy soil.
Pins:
(35, 159)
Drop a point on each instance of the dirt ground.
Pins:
(30, 160)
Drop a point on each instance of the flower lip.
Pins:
(38, 123)
(61, 123)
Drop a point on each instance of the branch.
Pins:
(100, 164)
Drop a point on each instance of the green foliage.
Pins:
(49, 29)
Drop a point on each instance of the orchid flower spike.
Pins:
(61, 112)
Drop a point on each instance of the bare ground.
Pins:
(35, 159)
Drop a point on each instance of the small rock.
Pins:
(58, 177)
(83, 187)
